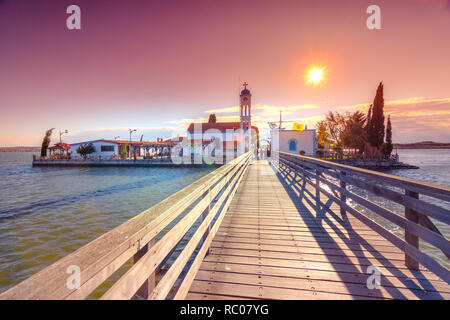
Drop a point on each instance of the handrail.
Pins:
(101, 258)
(416, 221)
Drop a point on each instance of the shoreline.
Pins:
(116, 163)
(422, 148)
(376, 165)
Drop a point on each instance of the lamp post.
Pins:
(131, 131)
(60, 135)
(60, 141)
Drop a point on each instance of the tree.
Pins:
(335, 126)
(46, 142)
(369, 116)
(389, 145)
(322, 134)
(124, 153)
(86, 149)
(353, 136)
(376, 129)
(212, 118)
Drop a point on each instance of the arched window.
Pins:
(292, 145)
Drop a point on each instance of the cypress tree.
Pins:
(369, 116)
(389, 145)
(376, 128)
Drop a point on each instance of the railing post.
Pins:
(318, 188)
(410, 238)
(303, 171)
(146, 289)
(343, 196)
(205, 215)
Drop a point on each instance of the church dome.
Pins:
(245, 91)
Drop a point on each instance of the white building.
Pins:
(103, 149)
(294, 141)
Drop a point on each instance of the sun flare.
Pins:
(315, 75)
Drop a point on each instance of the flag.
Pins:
(298, 126)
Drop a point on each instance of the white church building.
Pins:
(228, 138)
(294, 141)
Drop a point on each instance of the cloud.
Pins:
(268, 110)
(20, 140)
(224, 110)
(187, 121)
(265, 108)
(262, 114)
(149, 134)
(415, 119)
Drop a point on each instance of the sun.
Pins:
(315, 75)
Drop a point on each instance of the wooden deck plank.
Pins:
(202, 296)
(322, 265)
(303, 249)
(318, 237)
(260, 292)
(386, 280)
(365, 260)
(275, 243)
(309, 244)
(321, 285)
(318, 232)
(272, 225)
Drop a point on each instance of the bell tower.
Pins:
(246, 108)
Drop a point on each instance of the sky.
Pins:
(157, 65)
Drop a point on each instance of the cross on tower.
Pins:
(245, 85)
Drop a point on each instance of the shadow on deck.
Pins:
(418, 284)
(276, 243)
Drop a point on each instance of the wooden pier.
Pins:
(291, 228)
(275, 244)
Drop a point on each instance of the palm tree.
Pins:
(46, 142)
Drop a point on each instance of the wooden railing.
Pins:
(417, 213)
(198, 209)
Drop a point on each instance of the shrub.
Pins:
(86, 149)
(124, 153)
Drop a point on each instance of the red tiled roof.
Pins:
(203, 142)
(60, 146)
(136, 143)
(177, 139)
(221, 126)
